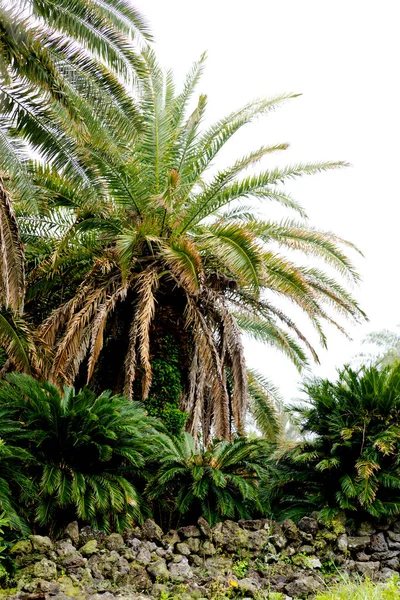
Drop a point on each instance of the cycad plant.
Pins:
(351, 461)
(15, 462)
(89, 451)
(141, 233)
(217, 483)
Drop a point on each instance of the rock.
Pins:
(381, 556)
(393, 545)
(139, 578)
(89, 548)
(114, 541)
(395, 537)
(183, 548)
(177, 558)
(193, 544)
(41, 543)
(368, 569)
(204, 527)
(257, 540)
(307, 537)
(231, 536)
(362, 557)
(152, 531)
(277, 536)
(39, 588)
(132, 533)
(386, 574)
(303, 586)
(290, 530)
(143, 556)
(133, 543)
(160, 590)
(72, 532)
(45, 569)
(73, 560)
(342, 543)
(171, 538)
(378, 543)
(358, 543)
(189, 531)
(396, 527)
(64, 547)
(327, 535)
(208, 548)
(113, 567)
(251, 525)
(196, 560)
(180, 570)
(22, 547)
(306, 549)
(314, 563)
(392, 563)
(308, 525)
(299, 560)
(158, 570)
(87, 534)
(218, 565)
(365, 528)
(248, 585)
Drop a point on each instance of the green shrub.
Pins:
(351, 461)
(14, 463)
(88, 450)
(4, 522)
(216, 483)
(166, 388)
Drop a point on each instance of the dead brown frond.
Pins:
(146, 285)
(210, 361)
(74, 345)
(99, 323)
(12, 269)
(131, 359)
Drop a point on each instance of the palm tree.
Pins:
(385, 348)
(177, 243)
(215, 483)
(57, 63)
(149, 237)
(89, 451)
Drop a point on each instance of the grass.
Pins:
(363, 590)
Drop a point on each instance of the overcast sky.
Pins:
(343, 56)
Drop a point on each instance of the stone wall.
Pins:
(245, 559)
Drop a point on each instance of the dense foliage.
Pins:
(351, 459)
(88, 452)
(15, 485)
(104, 461)
(216, 483)
(167, 387)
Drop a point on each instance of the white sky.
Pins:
(343, 56)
